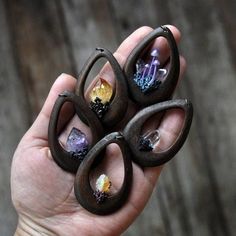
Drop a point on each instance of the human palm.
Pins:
(43, 194)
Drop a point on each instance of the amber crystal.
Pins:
(102, 90)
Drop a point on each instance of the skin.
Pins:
(42, 192)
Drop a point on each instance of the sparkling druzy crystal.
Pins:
(148, 141)
(102, 90)
(100, 97)
(103, 185)
(149, 76)
(77, 143)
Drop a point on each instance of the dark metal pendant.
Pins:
(86, 195)
(67, 160)
(147, 91)
(109, 113)
(133, 130)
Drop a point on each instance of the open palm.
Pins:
(43, 194)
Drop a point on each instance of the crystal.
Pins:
(148, 141)
(103, 184)
(100, 97)
(102, 90)
(77, 143)
(149, 75)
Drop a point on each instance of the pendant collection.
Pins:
(150, 86)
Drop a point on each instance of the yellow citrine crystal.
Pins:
(102, 90)
(103, 184)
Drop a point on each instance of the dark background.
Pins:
(40, 39)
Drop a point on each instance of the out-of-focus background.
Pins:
(40, 39)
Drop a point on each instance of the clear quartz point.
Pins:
(148, 141)
(153, 136)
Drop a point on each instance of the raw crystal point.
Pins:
(102, 90)
(155, 52)
(148, 141)
(77, 143)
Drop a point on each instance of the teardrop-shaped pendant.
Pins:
(107, 103)
(149, 83)
(100, 201)
(132, 133)
(70, 157)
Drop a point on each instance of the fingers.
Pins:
(129, 44)
(39, 128)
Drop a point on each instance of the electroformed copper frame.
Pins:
(119, 101)
(133, 131)
(166, 89)
(62, 157)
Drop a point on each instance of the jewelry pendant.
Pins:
(77, 144)
(109, 106)
(149, 83)
(145, 156)
(100, 201)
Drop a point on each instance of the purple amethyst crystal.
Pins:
(77, 144)
(149, 76)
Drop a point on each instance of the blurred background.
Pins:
(40, 39)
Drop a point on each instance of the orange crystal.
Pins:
(102, 90)
(103, 184)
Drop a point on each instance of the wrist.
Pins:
(28, 227)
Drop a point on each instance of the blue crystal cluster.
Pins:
(149, 76)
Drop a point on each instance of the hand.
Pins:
(42, 192)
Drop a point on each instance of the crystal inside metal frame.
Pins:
(100, 97)
(119, 100)
(144, 89)
(149, 76)
(84, 192)
(148, 141)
